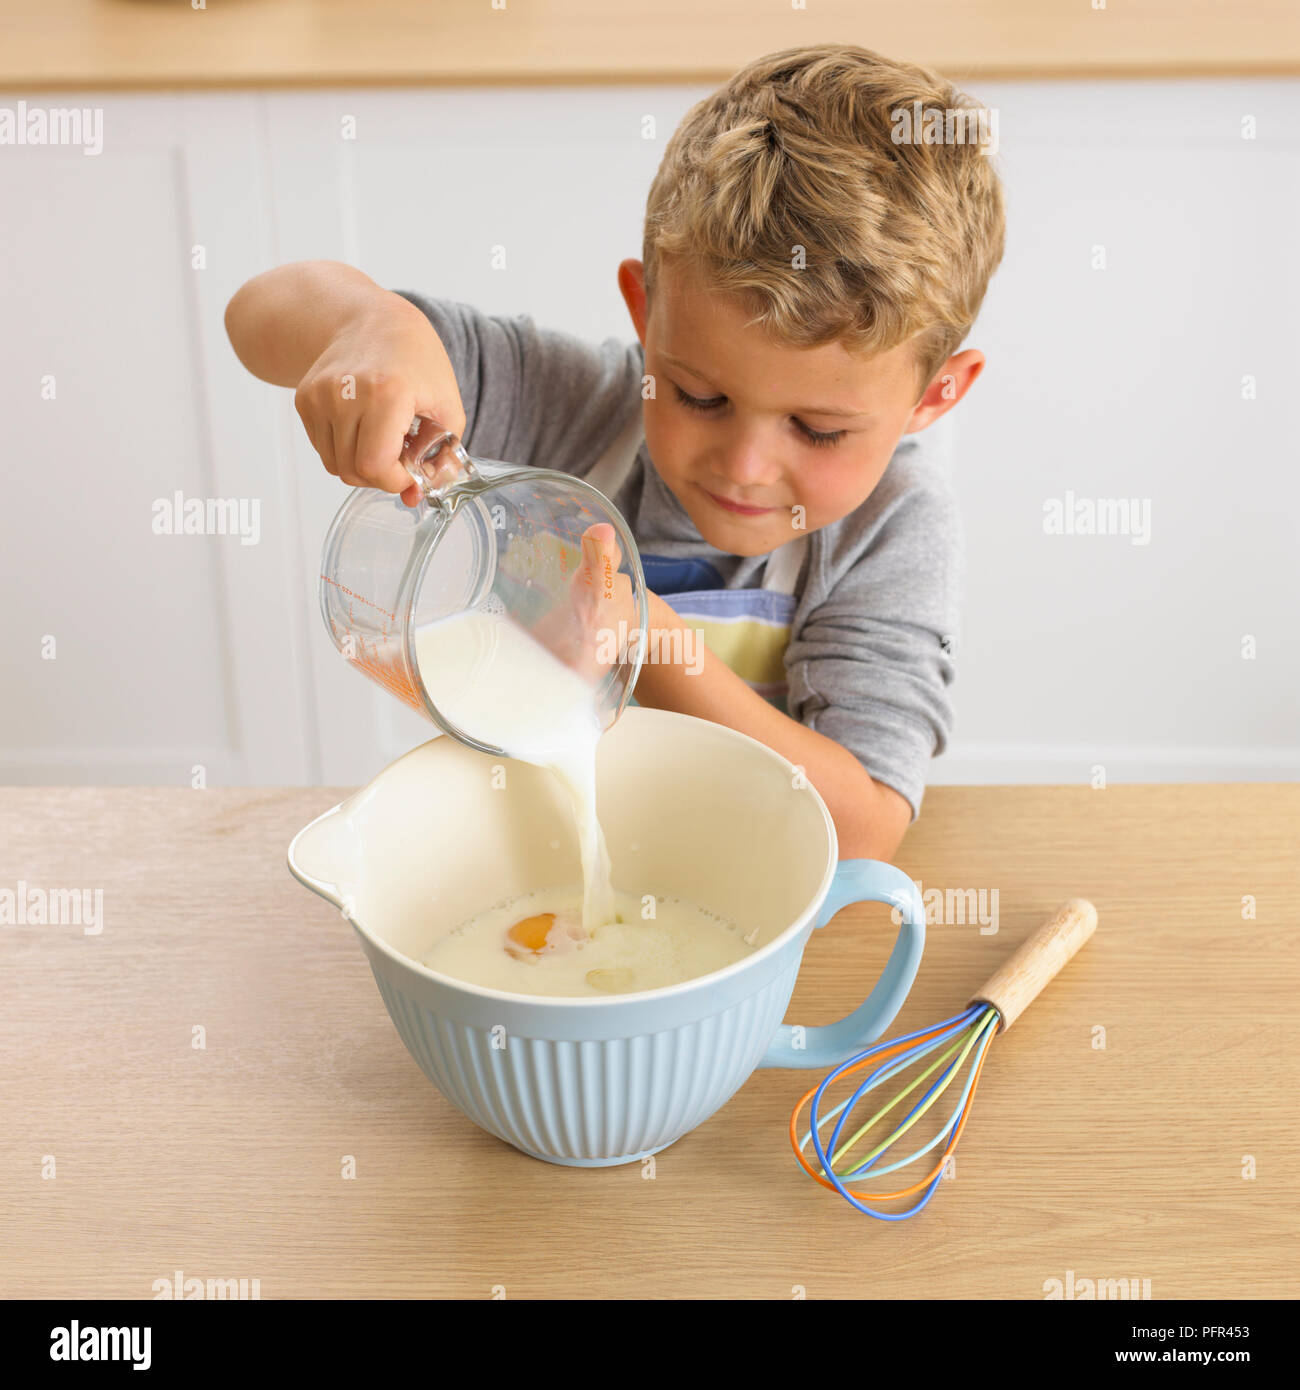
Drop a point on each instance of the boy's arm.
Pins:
(363, 363)
(870, 663)
(870, 817)
(281, 321)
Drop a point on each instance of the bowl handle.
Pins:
(860, 880)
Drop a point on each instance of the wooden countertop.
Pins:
(146, 43)
(1122, 1162)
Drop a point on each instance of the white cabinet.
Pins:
(170, 652)
(1163, 379)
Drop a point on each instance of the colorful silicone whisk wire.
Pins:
(962, 1044)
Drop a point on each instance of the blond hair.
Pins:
(799, 149)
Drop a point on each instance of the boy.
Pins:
(807, 280)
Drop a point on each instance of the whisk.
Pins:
(962, 1043)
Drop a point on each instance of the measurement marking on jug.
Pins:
(361, 598)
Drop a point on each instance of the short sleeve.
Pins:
(534, 395)
(871, 664)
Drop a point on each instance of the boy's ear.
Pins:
(631, 283)
(950, 384)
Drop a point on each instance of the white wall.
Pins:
(1122, 382)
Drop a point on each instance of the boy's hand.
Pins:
(603, 597)
(600, 616)
(383, 366)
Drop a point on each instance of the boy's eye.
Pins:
(695, 402)
(820, 438)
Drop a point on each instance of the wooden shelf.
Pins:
(64, 44)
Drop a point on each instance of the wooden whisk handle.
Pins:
(1017, 982)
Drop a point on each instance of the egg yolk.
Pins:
(530, 934)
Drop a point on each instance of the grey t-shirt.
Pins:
(878, 602)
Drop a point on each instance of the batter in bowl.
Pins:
(537, 944)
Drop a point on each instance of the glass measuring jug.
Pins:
(489, 537)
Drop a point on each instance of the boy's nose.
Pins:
(748, 464)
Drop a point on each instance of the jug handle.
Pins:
(435, 457)
(860, 880)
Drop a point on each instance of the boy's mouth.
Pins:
(737, 508)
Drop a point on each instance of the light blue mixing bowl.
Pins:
(690, 809)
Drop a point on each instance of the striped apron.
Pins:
(747, 629)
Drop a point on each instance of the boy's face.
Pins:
(745, 431)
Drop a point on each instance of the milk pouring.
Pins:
(505, 689)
